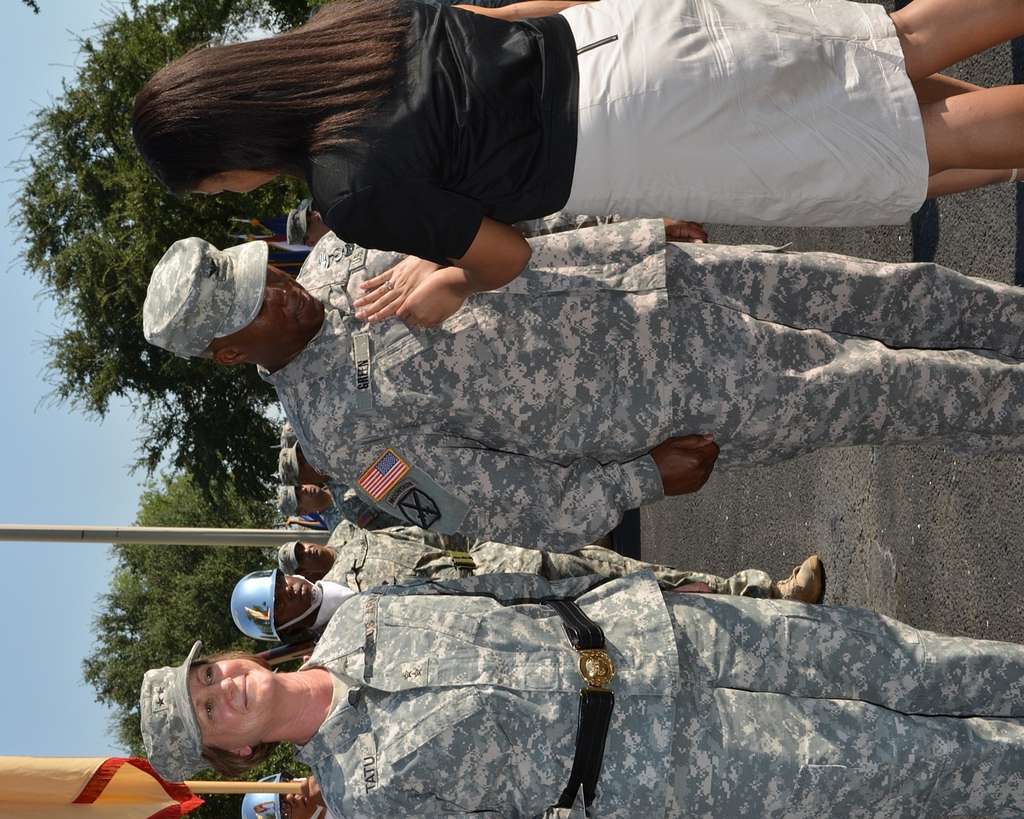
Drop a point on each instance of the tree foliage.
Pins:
(162, 598)
(96, 222)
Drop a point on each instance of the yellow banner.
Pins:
(87, 787)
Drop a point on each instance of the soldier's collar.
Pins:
(325, 352)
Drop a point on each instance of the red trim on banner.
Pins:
(177, 811)
(187, 801)
(98, 781)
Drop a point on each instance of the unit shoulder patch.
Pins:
(409, 493)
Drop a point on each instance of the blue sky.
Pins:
(60, 466)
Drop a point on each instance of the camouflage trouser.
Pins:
(598, 560)
(788, 352)
(491, 556)
(795, 711)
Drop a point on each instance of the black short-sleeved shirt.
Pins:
(482, 123)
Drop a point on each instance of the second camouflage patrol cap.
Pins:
(288, 465)
(198, 293)
(287, 500)
(288, 437)
(298, 223)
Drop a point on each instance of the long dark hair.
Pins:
(269, 104)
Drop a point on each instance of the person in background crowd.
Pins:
(308, 501)
(363, 559)
(287, 435)
(289, 806)
(294, 470)
(270, 605)
(305, 227)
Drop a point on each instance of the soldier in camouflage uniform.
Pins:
(459, 698)
(534, 415)
(365, 559)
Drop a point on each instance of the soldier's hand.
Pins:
(685, 463)
(304, 805)
(679, 230)
(386, 293)
(693, 588)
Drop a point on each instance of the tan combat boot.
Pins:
(805, 585)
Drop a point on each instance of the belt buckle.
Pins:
(462, 560)
(596, 667)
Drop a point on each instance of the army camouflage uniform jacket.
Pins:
(524, 445)
(449, 703)
(458, 706)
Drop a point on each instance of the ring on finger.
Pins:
(389, 285)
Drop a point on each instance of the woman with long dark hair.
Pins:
(429, 129)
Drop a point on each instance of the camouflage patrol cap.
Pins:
(287, 562)
(288, 465)
(170, 731)
(198, 293)
(298, 223)
(288, 437)
(287, 500)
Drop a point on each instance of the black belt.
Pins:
(596, 701)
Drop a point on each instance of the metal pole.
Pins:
(287, 653)
(158, 534)
(217, 786)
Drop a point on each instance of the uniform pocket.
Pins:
(431, 371)
(851, 653)
(399, 343)
(788, 757)
(455, 750)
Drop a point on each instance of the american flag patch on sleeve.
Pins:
(385, 472)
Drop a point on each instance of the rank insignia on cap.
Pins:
(385, 472)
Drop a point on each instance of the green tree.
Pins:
(162, 598)
(96, 222)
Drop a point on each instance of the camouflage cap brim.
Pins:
(286, 560)
(298, 223)
(250, 276)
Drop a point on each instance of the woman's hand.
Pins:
(386, 293)
(435, 299)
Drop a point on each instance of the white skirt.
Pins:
(750, 112)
